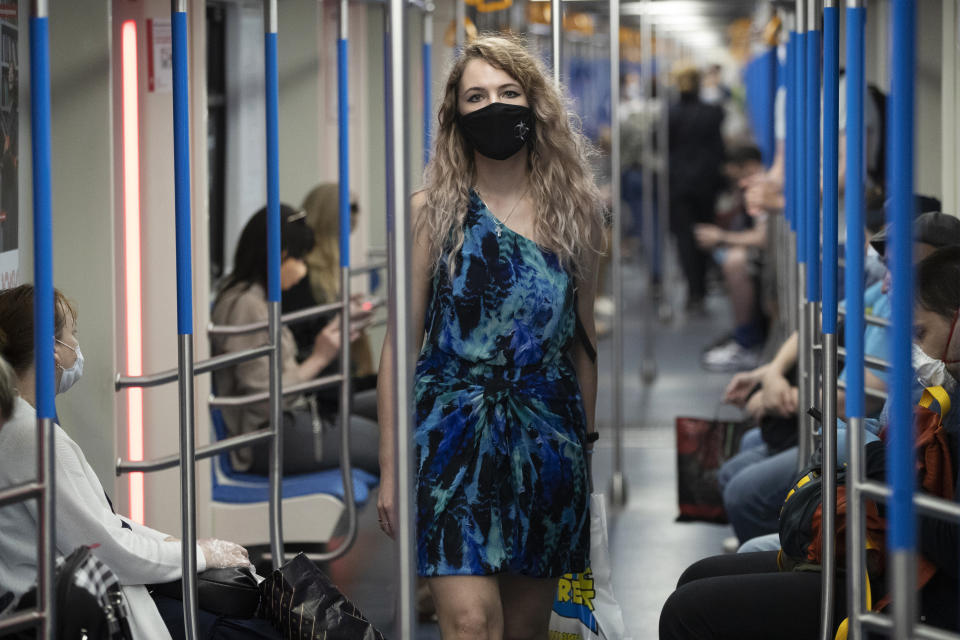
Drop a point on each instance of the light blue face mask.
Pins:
(69, 377)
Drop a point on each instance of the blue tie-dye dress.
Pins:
(502, 477)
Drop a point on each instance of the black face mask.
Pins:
(498, 130)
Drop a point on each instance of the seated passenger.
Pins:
(737, 243)
(746, 596)
(755, 480)
(322, 286)
(311, 435)
(137, 555)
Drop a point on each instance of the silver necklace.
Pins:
(500, 223)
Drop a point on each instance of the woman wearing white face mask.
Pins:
(137, 554)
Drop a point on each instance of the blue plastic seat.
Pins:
(236, 487)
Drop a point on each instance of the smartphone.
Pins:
(372, 303)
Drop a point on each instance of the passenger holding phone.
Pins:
(311, 432)
(321, 209)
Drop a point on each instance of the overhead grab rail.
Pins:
(43, 490)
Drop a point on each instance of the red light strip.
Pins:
(131, 242)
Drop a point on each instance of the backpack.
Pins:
(89, 603)
(801, 534)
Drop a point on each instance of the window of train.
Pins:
(216, 133)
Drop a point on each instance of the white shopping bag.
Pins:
(585, 608)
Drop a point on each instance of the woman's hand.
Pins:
(708, 235)
(778, 396)
(326, 345)
(221, 554)
(738, 390)
(386, 506)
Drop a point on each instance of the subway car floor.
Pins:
(649, 549)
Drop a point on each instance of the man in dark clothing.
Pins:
(696, 165)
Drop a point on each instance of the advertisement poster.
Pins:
(9, 147)
(159, 56)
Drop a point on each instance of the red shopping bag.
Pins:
(702, 447)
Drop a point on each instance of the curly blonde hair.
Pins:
(569, 205)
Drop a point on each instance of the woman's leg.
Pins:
(364, 444)
(468, 607)
(527, 603)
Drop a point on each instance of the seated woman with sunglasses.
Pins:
(311, 436)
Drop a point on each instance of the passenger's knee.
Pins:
(671, 617)
(735, 262)
(472, 623)
(733, 494)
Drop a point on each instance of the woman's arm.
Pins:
(585, 366)
(420, 277)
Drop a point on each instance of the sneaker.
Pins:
(730, 357)
(731, 544)
(604, 306)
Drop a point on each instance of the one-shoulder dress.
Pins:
(500, 424)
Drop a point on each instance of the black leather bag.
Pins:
(230, 592)
(89, 603)
(303, 604)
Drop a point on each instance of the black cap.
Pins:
(876, 217)
(934, 228)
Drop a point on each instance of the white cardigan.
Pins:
(137, 555)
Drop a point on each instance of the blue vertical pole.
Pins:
(181, 164)
(831, 193)
(272, 89)
(790, 143)
(181, 170)
(800, 106)
(901, 538)
(853, 286)
(831, 123)
(812, 172)
(343, 131)
(274, 293)
(804, 314)
(43, 311)
(427, 80)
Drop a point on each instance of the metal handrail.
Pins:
(202, 366)
(217, 402)
(18, 621)
(206, 451)
(871, 361)
(869, 318)
(20, 493)
(873, 393)
(300, 315)
(367, 268)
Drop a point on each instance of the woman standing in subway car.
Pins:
(507, 232)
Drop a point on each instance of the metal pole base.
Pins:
(618, 489)
(648, 372)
